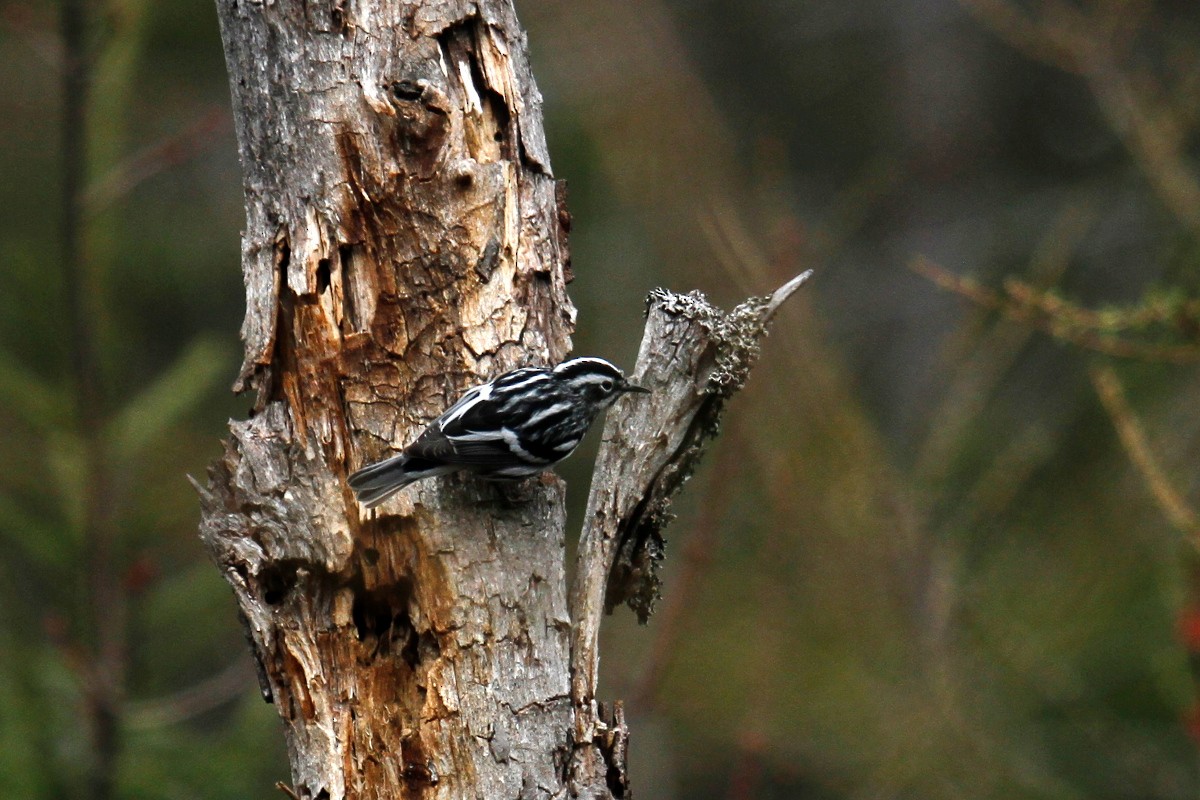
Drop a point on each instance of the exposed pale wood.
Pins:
(403, 241)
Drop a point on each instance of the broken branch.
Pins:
(693, 358)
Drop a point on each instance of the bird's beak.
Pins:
(629, 387)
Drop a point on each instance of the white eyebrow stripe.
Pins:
(593, 379)
(599, 362)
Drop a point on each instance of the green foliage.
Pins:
(235, 755)
(166, 357)
(170, 398)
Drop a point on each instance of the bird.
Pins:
(517, 425)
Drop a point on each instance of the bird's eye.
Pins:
(607, 386)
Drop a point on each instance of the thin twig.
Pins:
(979, 357)
(1184, 315)
(781, 295)
(1133, 439)
(289, 791)
(1047, 318)
(1143, 118)
(206, 695)
(160, 156)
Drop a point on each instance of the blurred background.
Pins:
(946, 544)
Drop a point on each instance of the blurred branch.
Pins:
(745, 782)
(999, 483)
(1164, 311)
(32, 534)
(1039, 40)
(1066, 321)
(1133, 439)
(741, 255)
(979, 371)
(160, 156)
(850, 208)
(36, 402)
(76, 83)
(738, 254)
(210, 693)
(1138, 110)
(759, 711)
(1187, 88)
(20, 19)
(104, 603)
(172, 394)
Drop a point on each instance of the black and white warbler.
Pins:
(517, 425)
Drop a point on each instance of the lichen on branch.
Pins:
(693, 358)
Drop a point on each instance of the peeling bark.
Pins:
(405, 239)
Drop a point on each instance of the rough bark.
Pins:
(693, 358)
(404, 240)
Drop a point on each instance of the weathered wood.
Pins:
(693, 358)
(403, 241)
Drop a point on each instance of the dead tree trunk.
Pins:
(404, 240)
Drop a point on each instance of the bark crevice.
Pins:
(396, 251)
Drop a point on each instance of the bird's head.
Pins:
(595, 380)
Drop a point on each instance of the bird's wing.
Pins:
(477, 409)
(471, 434)
(466, 449)
(464, 405)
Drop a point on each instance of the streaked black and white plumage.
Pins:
(519, 424)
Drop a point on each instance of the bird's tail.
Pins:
(376, 483)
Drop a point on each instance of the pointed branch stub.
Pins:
(693, 358)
